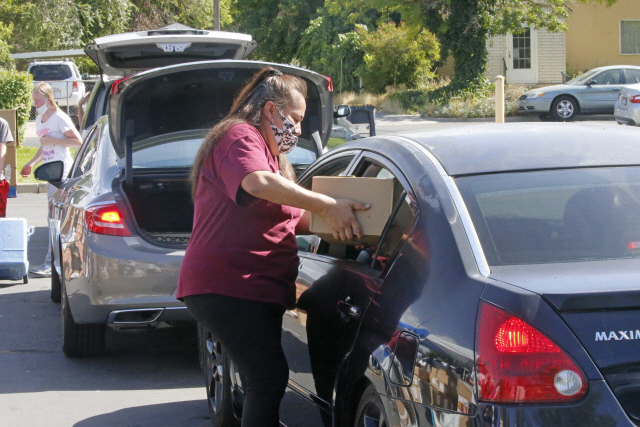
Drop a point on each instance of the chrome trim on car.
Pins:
(111, 319)
(465, 218)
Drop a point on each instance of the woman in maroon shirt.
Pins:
(238, 274)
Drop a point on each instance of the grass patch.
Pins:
(24, 155)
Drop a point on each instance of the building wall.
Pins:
(496, 51)
(593, 38)
(551, 56)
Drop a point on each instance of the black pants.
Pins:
(249, 332)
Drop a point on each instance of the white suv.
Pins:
(64, 78)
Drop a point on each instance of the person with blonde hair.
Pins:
(57, 134)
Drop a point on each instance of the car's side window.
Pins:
(86, 158)
(632, 76)
(609, 77)
(396, 231)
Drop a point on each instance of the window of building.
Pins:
(630, 37)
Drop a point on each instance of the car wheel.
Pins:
(564, 109)
(25, 279)
(545, 118)
(56, 284)
(80, 340)
(370, 410)
(217, 381)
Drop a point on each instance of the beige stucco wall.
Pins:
(593, 38)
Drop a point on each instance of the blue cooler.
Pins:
(14, 238)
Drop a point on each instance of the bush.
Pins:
(15, 92)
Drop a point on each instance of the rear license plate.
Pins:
(57, 93)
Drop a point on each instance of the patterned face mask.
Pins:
(286, 138)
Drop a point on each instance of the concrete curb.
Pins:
(35, 187)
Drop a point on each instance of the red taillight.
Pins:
(105, 219)
(516, 363)
(330, 88)
(635, 99)
(75, 87)
(115, 86)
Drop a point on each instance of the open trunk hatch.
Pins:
(600, 302)
(160, 114)
(125, 54)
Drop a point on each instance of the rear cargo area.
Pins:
(162, 208)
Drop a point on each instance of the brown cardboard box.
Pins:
(11, 157)
(378, 192)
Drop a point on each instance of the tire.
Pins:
(564, 109)
(371, 410)
(25, 279)
(217, 381)
(56, 284)
(80, 340)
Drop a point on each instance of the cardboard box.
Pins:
(378, 192)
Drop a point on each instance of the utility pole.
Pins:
(216, 15)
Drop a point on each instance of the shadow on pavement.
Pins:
(31, 358)
(192, 413)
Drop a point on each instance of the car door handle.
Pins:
(349, 310)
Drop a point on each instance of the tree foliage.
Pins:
(397, 55)
(277, 25)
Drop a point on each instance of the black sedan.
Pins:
(504, 290)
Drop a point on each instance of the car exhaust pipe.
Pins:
(134, 318)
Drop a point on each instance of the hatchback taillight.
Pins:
(105, 219)
(635, 99)
(516, 363)
(75, 87)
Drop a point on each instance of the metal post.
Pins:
(216, 15)
(499, 99)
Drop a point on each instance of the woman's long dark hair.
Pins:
(267, 85)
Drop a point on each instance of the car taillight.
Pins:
(516, 363)
(635, 99)
(105, 219)
(75, 87)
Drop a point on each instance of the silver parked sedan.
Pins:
(120, 222)
(594, 92)
(627, 110)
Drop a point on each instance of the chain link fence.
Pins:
(67, 94)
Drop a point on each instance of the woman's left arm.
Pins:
(302, 228)
(72, 139)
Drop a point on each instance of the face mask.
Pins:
(286, 138)
(43, 108)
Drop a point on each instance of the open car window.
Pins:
(398, 227)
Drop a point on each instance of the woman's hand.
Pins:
(342, 220)
(26, 170)
(47, 140)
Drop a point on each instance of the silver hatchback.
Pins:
(120, 222)
(627, 110)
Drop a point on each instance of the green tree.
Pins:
(331, 46)
(277, 25)
(5, 48)
(397, 55)
(151, 14)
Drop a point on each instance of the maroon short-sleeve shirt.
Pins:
(247, 251)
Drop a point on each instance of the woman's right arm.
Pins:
(276, 189)
(28, 167)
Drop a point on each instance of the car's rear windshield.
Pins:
(179, 149)
(45, 72)
(555, 216)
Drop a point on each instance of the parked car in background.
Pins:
(65, 80)
(120, 222)
(627, 110)
(594, 92)
(502, 292)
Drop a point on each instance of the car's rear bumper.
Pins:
(629, 116)
(123, 281)
(533, 106)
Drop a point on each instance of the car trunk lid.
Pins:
(153, 108)
(600, 302)
(121, 55)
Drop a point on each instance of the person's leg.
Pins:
(4, 192)
(250, 333)
(44, 270)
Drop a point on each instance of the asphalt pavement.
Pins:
(149, 379)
